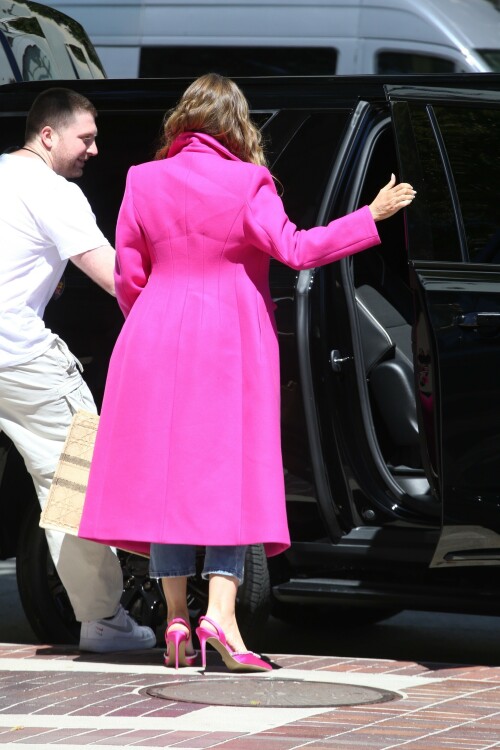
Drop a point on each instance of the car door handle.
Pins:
(479, 319)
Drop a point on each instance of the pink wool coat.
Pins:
(188, 448)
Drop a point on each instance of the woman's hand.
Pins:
(391, 199)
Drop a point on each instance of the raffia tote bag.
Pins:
(64, 506)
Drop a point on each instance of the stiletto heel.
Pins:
(245, 661)
(176, 641)
(203, 646)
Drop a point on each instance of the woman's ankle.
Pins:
(228, 625)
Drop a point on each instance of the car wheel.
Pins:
(253, 604)
(44, 598)
(143, 596)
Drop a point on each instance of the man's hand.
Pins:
(391, 199)
(99, 265)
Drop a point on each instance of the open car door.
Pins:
(448, 143)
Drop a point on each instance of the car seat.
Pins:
(388, 361)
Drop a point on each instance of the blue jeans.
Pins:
(175, 560)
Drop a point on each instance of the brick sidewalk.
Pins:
(58, 697)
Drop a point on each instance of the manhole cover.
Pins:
(275, 693)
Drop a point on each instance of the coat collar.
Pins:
(201, 143)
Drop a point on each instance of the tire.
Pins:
(253, 604)
(46, 603)
(44, 598)
(143, 596)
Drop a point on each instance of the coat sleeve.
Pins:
(133, 261)
(267, 227)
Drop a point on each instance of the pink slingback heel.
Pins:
(176, 641)
(245, 661)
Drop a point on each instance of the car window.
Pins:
(384, 267)
(78, 61)
(433, 229)
(449, 152)
(304, 166)
(412, 62)
(304, 147)
(471, 137)
(29, 47)
(6, 72)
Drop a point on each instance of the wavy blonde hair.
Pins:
(215, 105)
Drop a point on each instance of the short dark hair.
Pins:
(55, 107)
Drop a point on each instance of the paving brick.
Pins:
(55, 696)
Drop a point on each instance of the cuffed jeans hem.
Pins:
(173, 574)
(168, 559)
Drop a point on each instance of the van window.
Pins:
(411, 62)
(471, 137)
(492, 57)
(159, 62)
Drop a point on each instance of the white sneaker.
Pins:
(119, 633)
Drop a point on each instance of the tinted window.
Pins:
(29, 48)
(492, 57)
(37, 65)
(410, 62)
(47, 45)
(236, 61)
(384, 267)
(78, 61)
(304, 167)
(471, 137)
(6, 72)
(434, 233)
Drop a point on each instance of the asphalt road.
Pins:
(409, 636)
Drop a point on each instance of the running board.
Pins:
(363, 594)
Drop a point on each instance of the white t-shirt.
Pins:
(44, 220)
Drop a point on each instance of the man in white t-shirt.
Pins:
(44, 222)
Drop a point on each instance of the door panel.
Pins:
(442, 139)
(329, 507)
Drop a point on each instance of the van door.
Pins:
(447, 141)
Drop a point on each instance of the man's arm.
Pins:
(99, 265)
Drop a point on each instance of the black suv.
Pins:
(390, 360)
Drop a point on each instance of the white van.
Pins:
(38, 43)
(156, 38)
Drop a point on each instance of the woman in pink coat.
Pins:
(188, 449)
